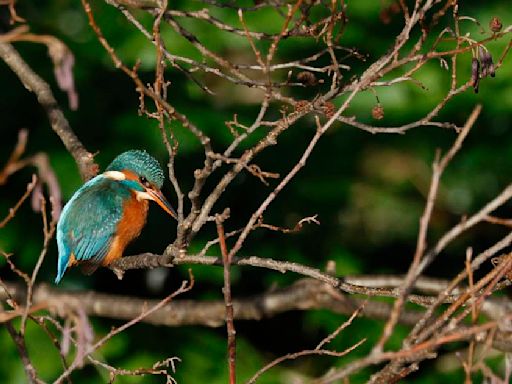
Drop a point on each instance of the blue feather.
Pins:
(89, 221)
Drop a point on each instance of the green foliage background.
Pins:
(368, 190)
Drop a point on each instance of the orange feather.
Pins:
(134, 217)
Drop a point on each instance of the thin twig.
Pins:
(230, 325)
(414, 270)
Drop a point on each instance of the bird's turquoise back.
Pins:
(89, 220)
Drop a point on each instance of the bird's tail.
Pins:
(64, 255)
(62, 265)
(61, 268)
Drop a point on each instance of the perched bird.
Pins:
(108, 212)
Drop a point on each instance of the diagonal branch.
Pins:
(34, 83)
(415, 267)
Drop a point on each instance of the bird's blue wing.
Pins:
(88, 222)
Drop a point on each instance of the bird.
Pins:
(108, 212)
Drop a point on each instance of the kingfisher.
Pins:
(108, 212)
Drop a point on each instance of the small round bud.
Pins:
(495, 24)
(378, 112)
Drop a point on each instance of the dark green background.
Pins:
(368, 190)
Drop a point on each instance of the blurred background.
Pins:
(367, 190)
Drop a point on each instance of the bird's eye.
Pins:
(144, 181)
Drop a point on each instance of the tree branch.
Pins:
(34, 83)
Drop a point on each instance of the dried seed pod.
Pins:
(489, 64)
(378, 112)
(495, 24)
(307, 78)
(491, 68)
(486, 62)
(475, 73)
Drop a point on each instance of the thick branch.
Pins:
(344, 284)
(305, 294)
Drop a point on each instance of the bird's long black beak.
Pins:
(160, 199)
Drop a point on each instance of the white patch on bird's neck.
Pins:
(143, 196)
(115, 175)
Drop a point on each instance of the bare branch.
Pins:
(58, 121)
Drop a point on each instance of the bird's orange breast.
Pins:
(134, 217)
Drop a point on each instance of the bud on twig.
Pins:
(378, 112)
(495, 24)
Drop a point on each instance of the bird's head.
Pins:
(142, 174)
